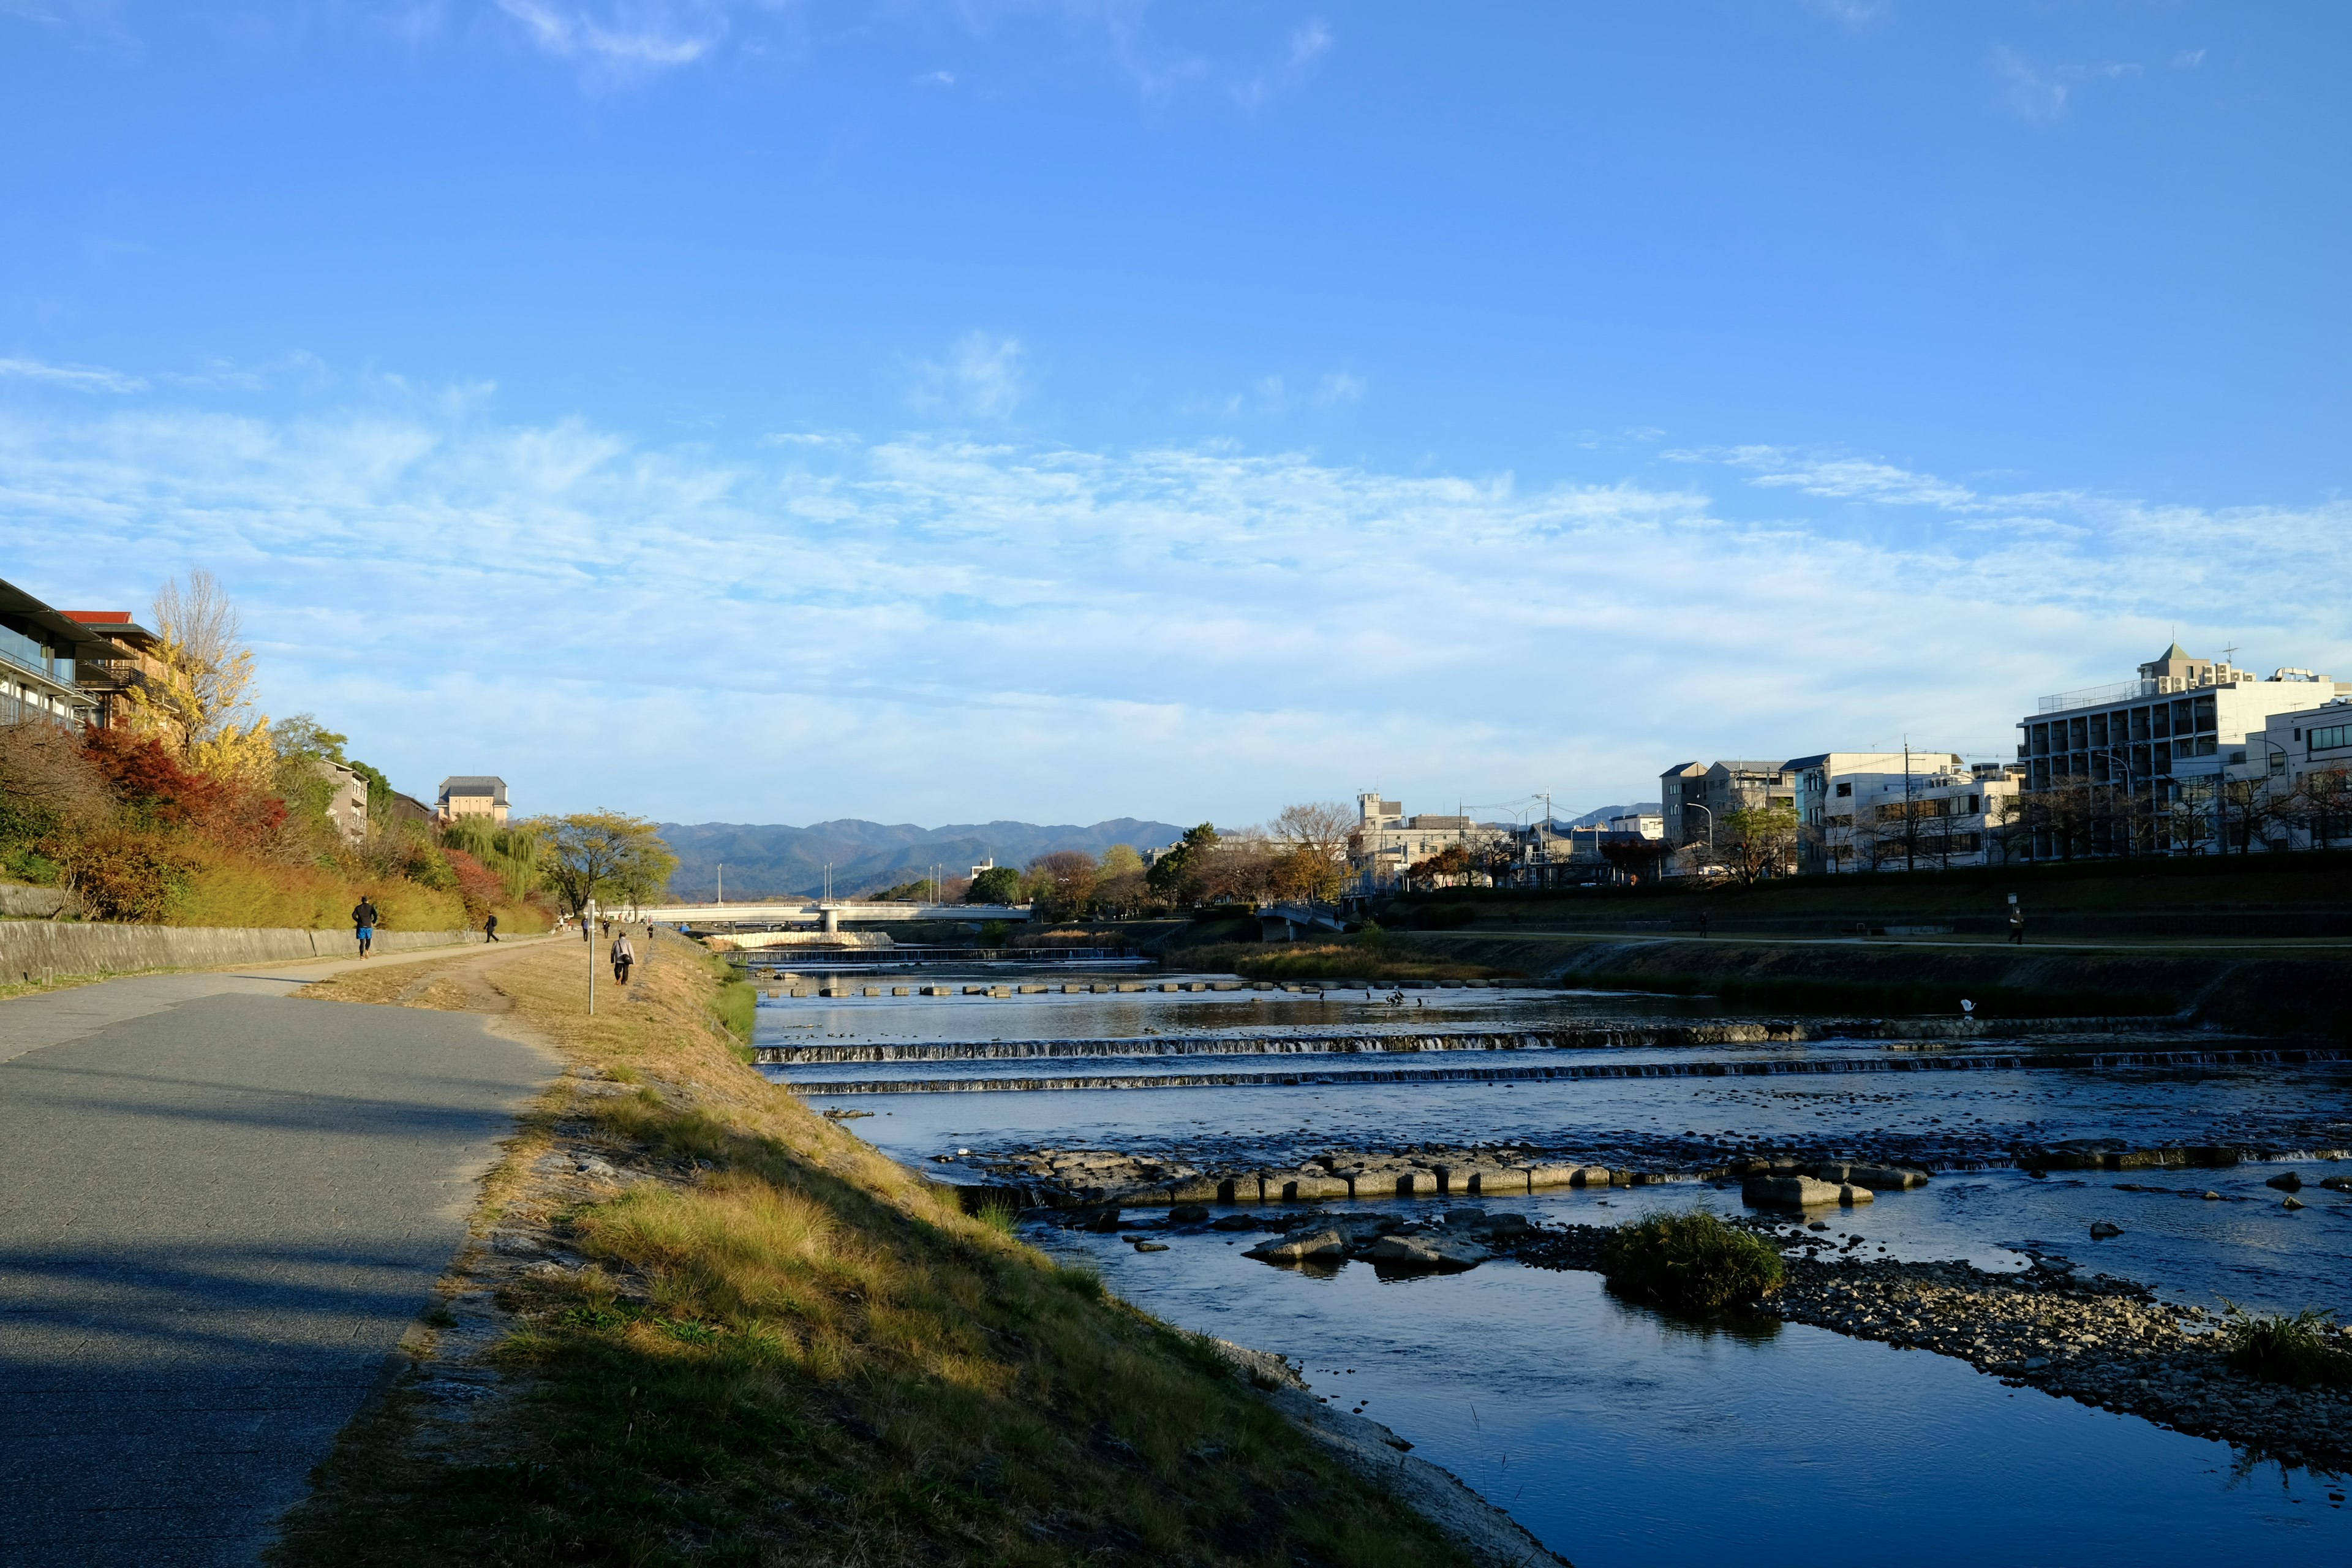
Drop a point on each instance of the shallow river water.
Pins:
(1623, 1438)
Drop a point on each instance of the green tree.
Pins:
(997, 885)
(1763, 839)
(602, 855)
(1176, 875)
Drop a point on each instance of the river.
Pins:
(1618, 1436)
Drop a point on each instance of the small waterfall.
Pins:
(2093, 1061)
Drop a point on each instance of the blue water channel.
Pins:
(1620, 1436)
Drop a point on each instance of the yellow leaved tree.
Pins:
(196, 694)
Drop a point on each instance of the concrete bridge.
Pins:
(827, 916)
(1288, 922)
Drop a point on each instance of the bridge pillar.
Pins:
(832, 921)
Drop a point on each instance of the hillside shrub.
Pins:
(1690, 1262)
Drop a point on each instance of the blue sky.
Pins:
(774, 411)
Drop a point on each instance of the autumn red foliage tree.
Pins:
(146, 777)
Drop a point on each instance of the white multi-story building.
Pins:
(1387, 843)
(1896, 810)
(2288, 787)
(2104, 766)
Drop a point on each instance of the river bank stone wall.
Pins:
(35, 951)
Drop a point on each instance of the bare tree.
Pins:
(1321, 826)
(2325, 804)
(203, 687)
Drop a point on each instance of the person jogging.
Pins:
(624, 955)
(490, 927)
(364, 918)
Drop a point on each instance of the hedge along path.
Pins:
(698, 1322)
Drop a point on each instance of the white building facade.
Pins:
(1899, 811)
(2111, 770)
(1386, 843)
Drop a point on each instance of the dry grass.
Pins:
(1349, 958)
(787, 1349)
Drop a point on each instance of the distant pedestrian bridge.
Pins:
(824, 915)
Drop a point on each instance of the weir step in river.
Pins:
(1604, 1036)
(2004, 1061)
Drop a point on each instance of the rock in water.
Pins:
(1850, 1195)
(2286, 1182)
(2100, 1229)
(1787, 1192)
(1428, 1252)
(1324, 1244)
(1188, 1213)
(2292, 1203)
(1885, 1178)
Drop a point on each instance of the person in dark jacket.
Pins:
(364, 918)
(490, 927)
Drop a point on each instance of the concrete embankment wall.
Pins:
(2282, 993)
(41, 949)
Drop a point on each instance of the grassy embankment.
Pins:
(789, 1349)
(2197, 901)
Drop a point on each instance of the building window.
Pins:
(2333, 736)
(1845, 789)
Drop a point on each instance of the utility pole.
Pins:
(722, 884)
(1910, 817)
(589, 924)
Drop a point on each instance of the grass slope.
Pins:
(787, 1349)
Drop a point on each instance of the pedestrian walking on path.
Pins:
(363, 923)
(2016, 924)
(624, 955)
(490, 927)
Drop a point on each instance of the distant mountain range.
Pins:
(1595, 819)
(787, 862)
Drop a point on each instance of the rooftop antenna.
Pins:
(2230, 654)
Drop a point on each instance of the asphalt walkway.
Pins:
(220, 1208)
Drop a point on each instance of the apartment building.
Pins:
(1893, 811)
(478, 795)
(1387, 842)
(2105, 766)
(42, 652)
(1693, 798)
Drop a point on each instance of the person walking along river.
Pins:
(624, 955)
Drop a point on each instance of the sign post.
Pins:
(588, 925)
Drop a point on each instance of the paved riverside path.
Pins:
(220, 1208)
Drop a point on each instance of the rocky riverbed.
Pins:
(2103, 1342)
(1064, 1178)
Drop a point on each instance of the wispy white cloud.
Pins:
(626, 36)
(2188, 59)
(1836, 477)
(982, 377)
(1852, 13)
(81, 377)
(2040, 94)
(2029, 94)
(1308, 43)
(935, 79)
(1340, 387)
(949, 629)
